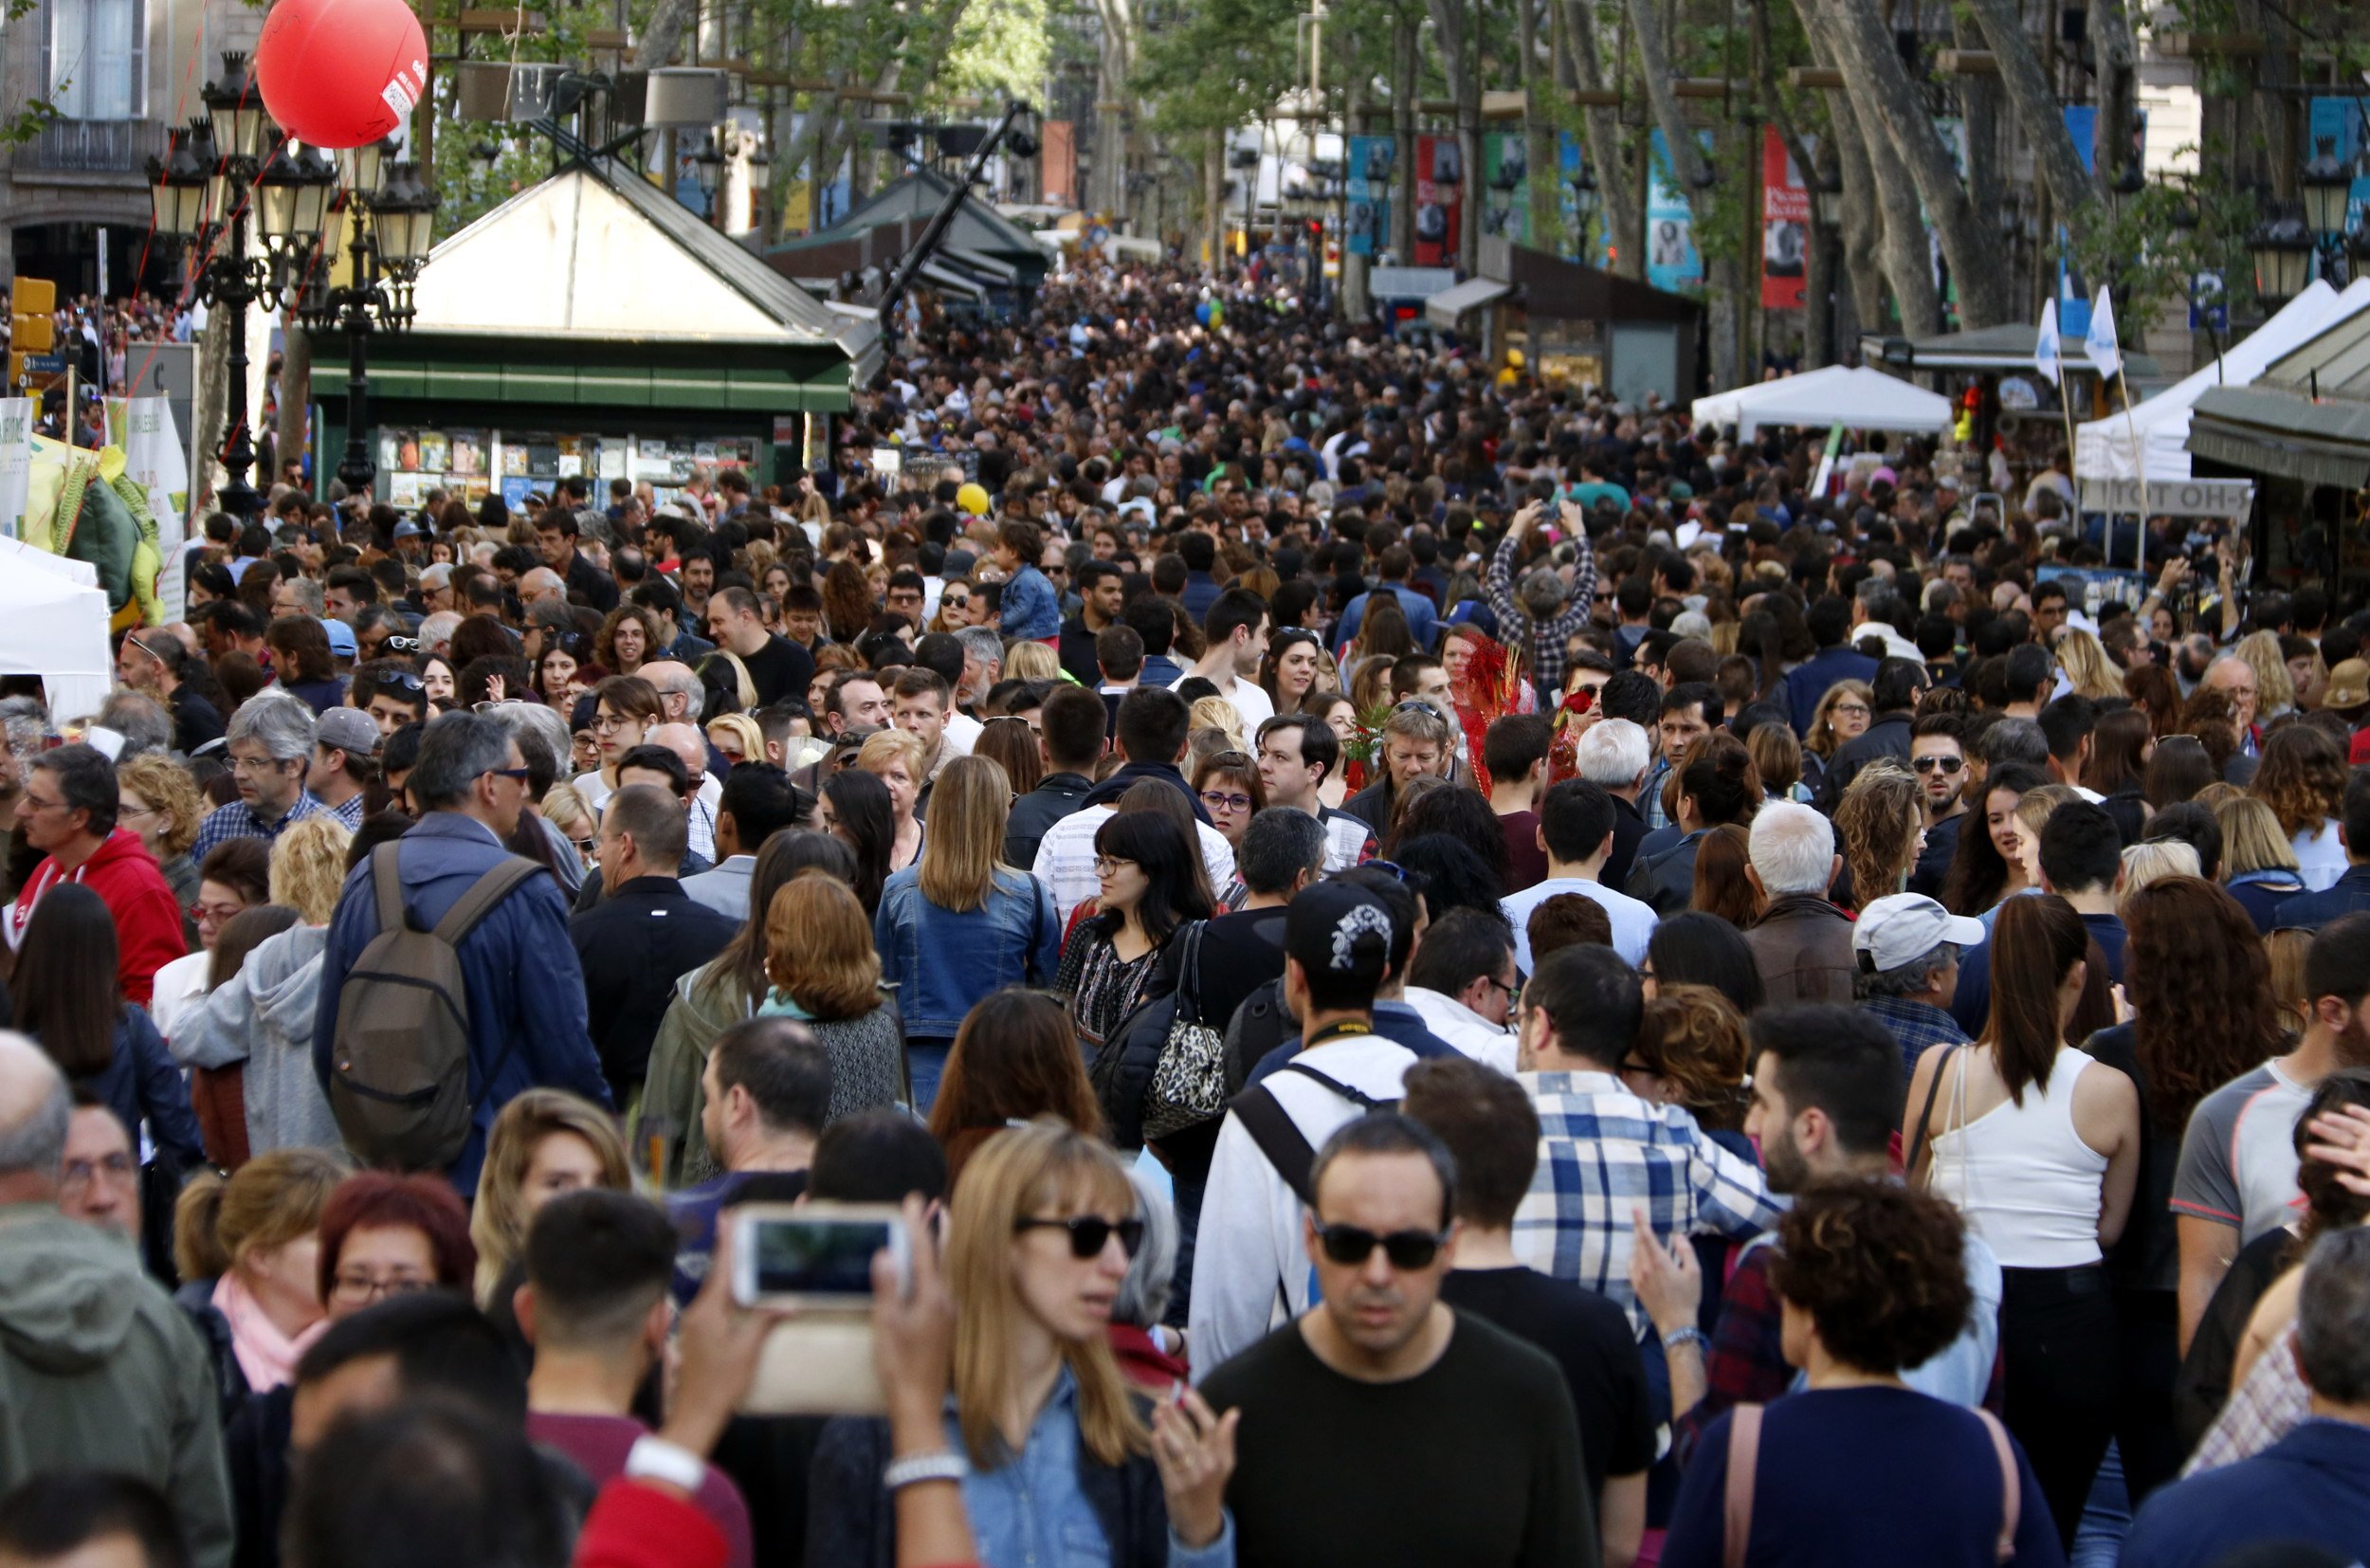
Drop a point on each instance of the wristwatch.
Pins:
(653, 1458)
(945, 1464)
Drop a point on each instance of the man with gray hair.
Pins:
(2311, 1488)
(1616, 755)
(526, 1013)
(140, 720)
(1802, 943)
(1905, 947)
(436, 633)
(2018, 743)
(983, 665)
(270, 747)
(99, 1370)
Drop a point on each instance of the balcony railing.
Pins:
(95, 146)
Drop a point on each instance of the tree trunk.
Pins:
(1691, 173)
(1213, 199)
(296, 397)
(1539, 132)
(1891, 113)
(1456, 31)
(1861, 229)
(1405, 60)
(1349, 302)
(2117, 54)
(1901, 245)
(1114, 64)
(1978, 106)
(2040, 120)
(211, 404)
(663, 32)
(1619, 210)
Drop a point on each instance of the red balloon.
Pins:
(341, 73)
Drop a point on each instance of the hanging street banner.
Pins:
(1785, 227)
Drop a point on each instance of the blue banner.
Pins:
(1371, 168)
(1672, 259)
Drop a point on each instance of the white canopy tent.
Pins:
(53, 623)
(1853, 396)
(2102, 448)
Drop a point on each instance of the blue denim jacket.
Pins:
(1032, 1510)
(1031, 610)
(942, 962)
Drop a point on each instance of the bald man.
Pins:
(541, 584)
(99, 1370)
(705, 791)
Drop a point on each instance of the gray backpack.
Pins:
(399, 1084)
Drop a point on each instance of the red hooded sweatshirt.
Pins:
(147, 917)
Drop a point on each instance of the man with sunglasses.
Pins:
(1341, 940)
(1384, 1425)
(1938, 756)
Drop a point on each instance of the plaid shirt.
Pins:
(2270, 1402)
(1649, 795)
(1546, 637)
(1603, 1151)
(350, 814)
(239, 820)
(1915, 1026)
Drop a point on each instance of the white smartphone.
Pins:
(814, 1255)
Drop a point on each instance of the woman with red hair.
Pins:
(386, 1235)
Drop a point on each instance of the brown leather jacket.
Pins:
(1802, 945)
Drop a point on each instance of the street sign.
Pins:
(44, 364)
(2170, 498)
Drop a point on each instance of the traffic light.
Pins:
(32, 325)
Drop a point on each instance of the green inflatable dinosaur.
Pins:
(82, 505)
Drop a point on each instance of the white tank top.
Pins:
(2020, 1175)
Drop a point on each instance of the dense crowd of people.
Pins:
(1444, 969)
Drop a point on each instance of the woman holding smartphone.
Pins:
(1055, 1463)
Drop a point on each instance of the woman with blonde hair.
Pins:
(259, 1017)
(2258, 861)
(824, 971)
(566, 810)
(1026, 661)
(156, 798)
(545, 1143)
(2151, 861)
(2274, 688)
(896, 759)
(248, 1246)
(736, 738)
(1843, 714)
(1216, 713)
(2083, 660)
(1040, 1234)
(961, 924)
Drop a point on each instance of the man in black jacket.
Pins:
(1072, 739)
(1101, 596)
(645, 935)
(555, 537)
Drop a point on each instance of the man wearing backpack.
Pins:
(416, 1072)
(1249, 1268)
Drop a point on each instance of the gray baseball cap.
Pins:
(1905, 927)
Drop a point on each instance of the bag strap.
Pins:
(1744, 1455)
(1189, 976)
(1363, 1101)
(386, 882)
(1279, 1137)
(488, 890)
(1926, 1115)
(2011, 1499)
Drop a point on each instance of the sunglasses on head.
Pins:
(1350, 1246)
(1090, 1234)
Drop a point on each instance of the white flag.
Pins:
(2105, 352)
(2045, 347)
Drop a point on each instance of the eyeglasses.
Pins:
(604, 723)
(1850, 709)
(1930, 764)
(36, 803)
(1350, 1246)
(82, 1173)
(214, 914)
(1090, 1234)
(358, 1287)
(1225, 800)
(123, 812)
(258, 764)
(1107, 866)
(518, 774)
(1492, 979)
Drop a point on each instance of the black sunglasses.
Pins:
(1090, 1234)
(1350, 1246)
(1927, 764)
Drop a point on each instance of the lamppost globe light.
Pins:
(234, 105)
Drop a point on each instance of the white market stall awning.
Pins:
(2102, 448)
(53, 623)
(1853, 396)
(1448, 306)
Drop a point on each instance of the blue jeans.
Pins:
(925, 1062)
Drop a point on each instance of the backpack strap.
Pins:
(1363, 1101)
(488, 890)
(1279, 1137)
(2011, 1499)
(1744, 1457)
(386, 882)
(1925, 1114)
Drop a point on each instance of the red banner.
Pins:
(1785, 226)
(1440, 180)
(1057, 178)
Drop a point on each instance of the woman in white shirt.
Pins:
(2302, 777)
(2038, 1147)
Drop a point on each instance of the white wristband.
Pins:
(943, 1465)
(653, 1458)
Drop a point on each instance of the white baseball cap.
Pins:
(1905, 927)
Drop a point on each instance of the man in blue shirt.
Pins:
(1395, 564)
(527, 1014)
(2313, 1487)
